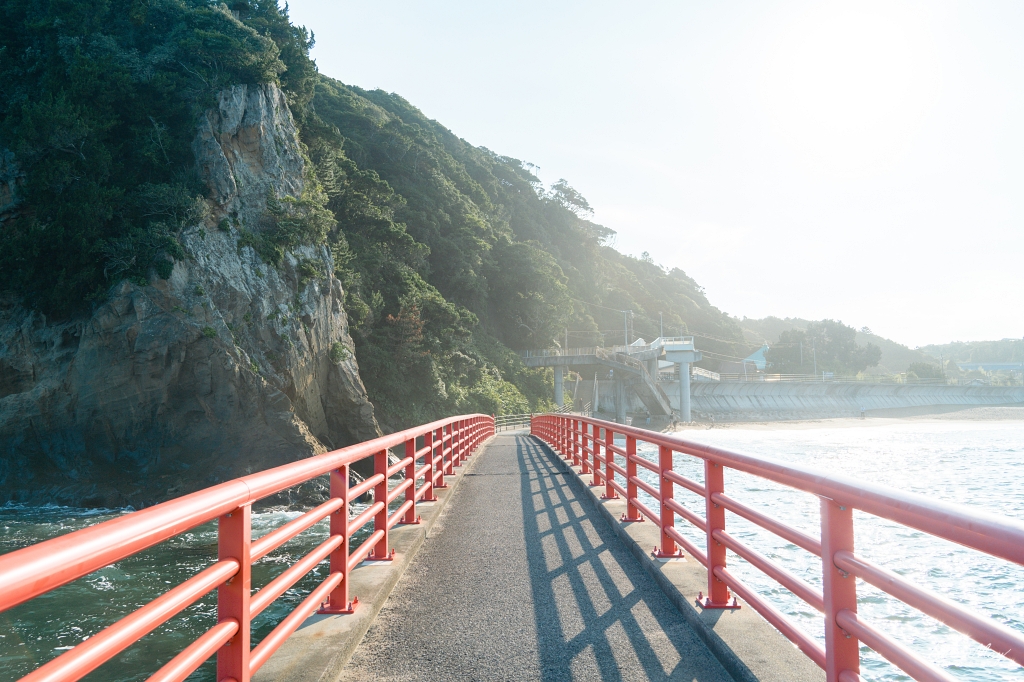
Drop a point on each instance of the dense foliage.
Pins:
(826, 346)
(98, 103)
(923, 370)
(1004, 351)
(451, 255)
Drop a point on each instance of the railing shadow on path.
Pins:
(598, 614)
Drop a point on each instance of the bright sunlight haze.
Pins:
(860, 162)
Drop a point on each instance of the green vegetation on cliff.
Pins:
(451, 255)
(826, 346)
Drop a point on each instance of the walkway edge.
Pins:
(322, 646)
(746, 645)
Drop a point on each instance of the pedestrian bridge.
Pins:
(550, 553)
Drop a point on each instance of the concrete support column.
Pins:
(620, 401)
(559, 390)
(684, 392)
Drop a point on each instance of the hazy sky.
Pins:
(862, 161)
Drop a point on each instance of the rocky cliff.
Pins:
(229, 366)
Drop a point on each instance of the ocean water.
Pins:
(977, 464)
(41, 629)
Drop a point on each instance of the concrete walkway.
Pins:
(521, 580)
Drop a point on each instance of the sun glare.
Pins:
(847, 88)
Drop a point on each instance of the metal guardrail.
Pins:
(512, 421)
(594, 350)
(705, 374)
(556, 352)
(35, 570)
(828, 377)
(590, 444)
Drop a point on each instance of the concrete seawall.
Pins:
(756, 401)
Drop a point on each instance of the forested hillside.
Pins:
(452, 255)
(894, 357)
(1002, 351)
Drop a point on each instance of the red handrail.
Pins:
(573, 436)
(40, 568)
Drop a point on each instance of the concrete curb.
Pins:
(319, 650)
(745, 644)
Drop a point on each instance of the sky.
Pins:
(857, 161)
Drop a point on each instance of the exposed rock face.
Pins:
(10, 179)
(228, 367)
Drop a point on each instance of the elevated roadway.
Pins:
(633, 369)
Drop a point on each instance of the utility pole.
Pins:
(625, 328)
(814, 349)
(662, 319)
(801, 354)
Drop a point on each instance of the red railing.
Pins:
(35, 570)
(590, 445)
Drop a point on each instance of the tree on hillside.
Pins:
(571, 199)
(830, 345)
(922, 370)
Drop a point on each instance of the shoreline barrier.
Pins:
(37, 569)
(590, 444)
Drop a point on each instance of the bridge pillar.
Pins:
(559, 383)
(684, 392)
(620, 401)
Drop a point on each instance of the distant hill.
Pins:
(895, 356)
(1004, 350)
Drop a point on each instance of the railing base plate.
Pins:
(325, 611)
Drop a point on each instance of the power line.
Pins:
(598, 305)
(727, 357)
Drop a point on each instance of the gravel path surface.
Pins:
(517, 582)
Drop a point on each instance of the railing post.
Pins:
(609, 459)
(337, 601)
(410, 473)
(463, 441)
(380, 494)
(585, 444)
(842, 651)
(449, 467)
(632, 513)
(437, 450)
(566, 449)
(714, 482)
(234, 536)
(567, 438)
(595, 478)
(576, 442)
(668, 549)
(457, 443)
(556, 437)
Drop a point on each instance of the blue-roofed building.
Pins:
(757, 358)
